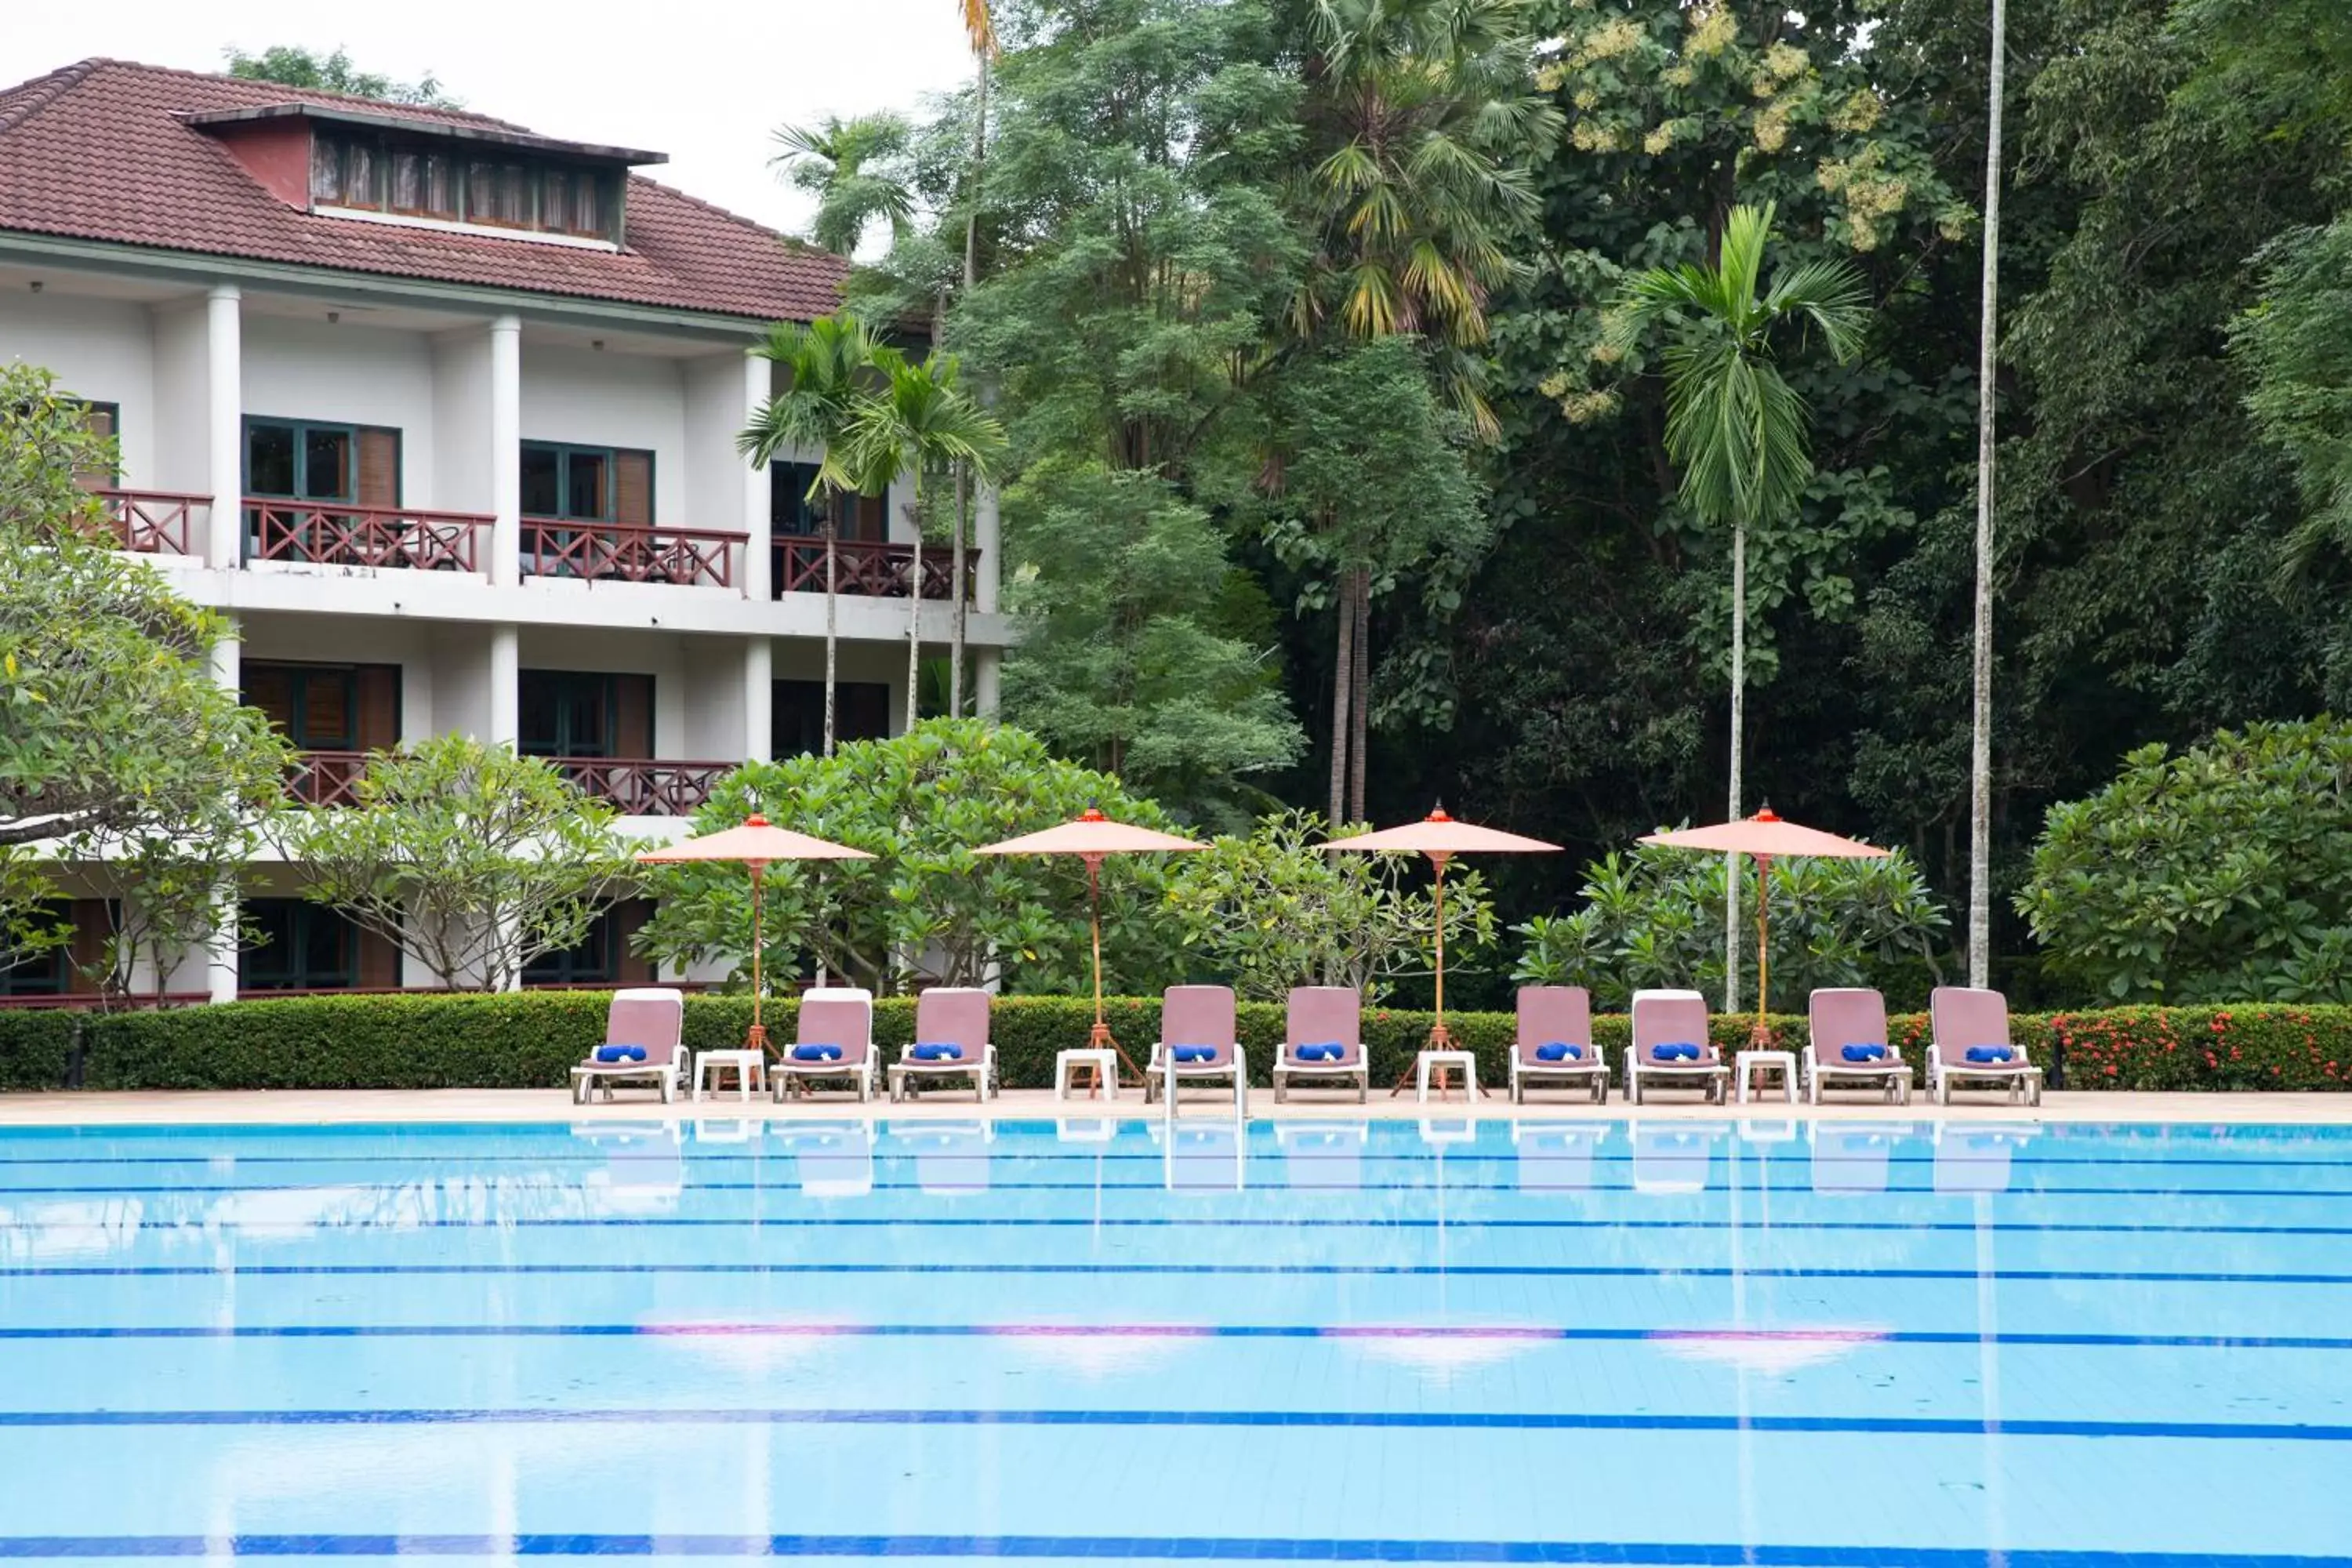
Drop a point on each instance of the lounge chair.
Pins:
(642, 1030)
(1198, 1042)
(1846, 1024)
(1972, 1045)
(951, 1041)
(832, 1038)
(1673, 1022)
(1555, 1043)
(1317, 1018)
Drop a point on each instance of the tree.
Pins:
(1981, 708)
(926, 910)
(918, 421)
(164, 887)
(851, 167)
(1275, 909)
(293, 66)
(827, 365)
(980, 27)
(1736, 427)
(471, 859)
(2221, 874)
(112, 721)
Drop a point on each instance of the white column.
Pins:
(225, 427)
(756, 482)
(759, 686)
(506, 448)
(984, 662)
(988, 539)
(506, 682)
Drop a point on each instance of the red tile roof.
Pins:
(97, 150)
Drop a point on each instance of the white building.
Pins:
(443, 413)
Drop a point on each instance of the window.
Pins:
(48, 973)
(301, 946)
(861, 711)
(408, 182)
(297, 459)
(407, 175)
(103, 420)
(591, 484)
(789, 509)
(315, 706)
(568, 713)
(596, 960)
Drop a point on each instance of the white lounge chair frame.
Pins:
(665, 1074)
(1948, 1064)
(910, 1072)
(1710, 1074)
(1591, 1070)
(785, 1073)
(1320, 1015)
(1823, 1067)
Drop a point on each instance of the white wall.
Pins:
(101, 349)
(183, 372)
(349, 374)
(593, 399)
(711, 714)
(460, 677)
(461, 423)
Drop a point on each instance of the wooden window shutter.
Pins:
(379, 961)
(93, 923)
(326, 710)
(633, 487)
(629, 967)
(272, 689)
(379, 705)
(633, 728)
(873, 522)
(379, 468)
(99, 421)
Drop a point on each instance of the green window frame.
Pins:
(308, 947)
(555, 491)
(555, 708)
(595, 961)
(298, 728)
(300, 435)
(48, 973)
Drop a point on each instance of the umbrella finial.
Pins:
(1093, 814)
(755, 820)
(1438, 815)
(1766, 815)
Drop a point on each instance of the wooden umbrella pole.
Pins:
(1438, 1039)
(1760, 1036)
(758, 1038)
(1100, 1038)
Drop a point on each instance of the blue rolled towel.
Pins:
(1559, 1051)
(1193, 1053)
(1674, 1051)
(936, 1052)
(1866, 1053)
(1326, 1051)
(611, 1055)
(1991, 1054)
(816, 1052)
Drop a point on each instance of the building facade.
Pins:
(443, 413)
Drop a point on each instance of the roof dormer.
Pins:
(377, 164)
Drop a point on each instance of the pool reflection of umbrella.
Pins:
(757, 844)
(1440, 838)
(1090, 837)
(1768, 838)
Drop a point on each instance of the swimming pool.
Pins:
(1647, 1343)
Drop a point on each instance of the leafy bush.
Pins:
(1655, 918)
(2220, 874)
(531, 1040)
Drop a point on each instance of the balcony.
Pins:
(625, 552)
(156, 522)
(327, 778)
(335, 534)
(641, 786)
(868, 569)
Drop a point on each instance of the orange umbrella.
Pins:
(1090, 837)
(1440, 838)
(755, 843)
(1766, 836)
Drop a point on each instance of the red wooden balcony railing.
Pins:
(155, 523)
(332, 534)
(327, 778)
(613, 552)
(868, 569)
(641, 786)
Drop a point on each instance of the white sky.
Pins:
(704, 83)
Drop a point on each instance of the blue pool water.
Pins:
(1670, 1342)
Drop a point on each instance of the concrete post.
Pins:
(987, 538)
(757, 559)
(506, 448)
(225, 426)
(985, 663)
(506, 686)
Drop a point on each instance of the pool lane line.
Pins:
(988, 1185)
(1267, 1149)
(1468, 1333)
(1134, 1547)
(1291, 1270)
(1160, 1222)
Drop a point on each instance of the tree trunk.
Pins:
(958, 612)
(1359, 722)
(915, 612)
(1738, 720)
(956, 591)
(831, 605)
(1980, 718)
(1343, 693)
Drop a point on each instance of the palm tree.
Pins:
(980, 30)
(1738, 430)
(829, 366)
(918, 420)
(1981, 708)
(851, 167)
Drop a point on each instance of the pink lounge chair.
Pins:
(1842, 1016)
(1195, 1019)
(955, 1017)
(1323, 1015)
(1963, 1021)
(1553, 1016)
(650, 1019)
(1663, 1019)
(841, 1017)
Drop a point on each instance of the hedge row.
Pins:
(531, 1040)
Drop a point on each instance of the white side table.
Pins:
(750, 1067)
(1782, 1062)
(1437, 1064)
(1102, 1064)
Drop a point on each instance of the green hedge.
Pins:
(531, 1040)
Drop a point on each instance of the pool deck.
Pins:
(293, 1108)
